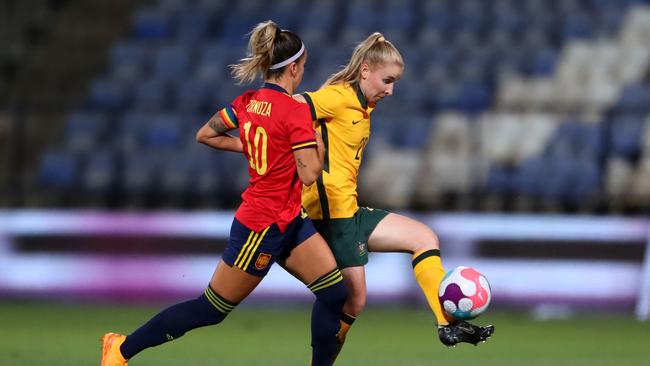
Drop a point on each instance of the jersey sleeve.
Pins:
(325, 102)
(301, 133)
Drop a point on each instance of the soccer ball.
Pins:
(464, 293)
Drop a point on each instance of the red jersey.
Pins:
(272, 125)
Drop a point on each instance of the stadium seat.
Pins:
(129, 61)
(100, 173)
(617, 180)
(108, 95)
(151, 96)
(625, 136)
(640, 189)
(164, 132)
(58, 169)
(531, 177)
(500, 180)
(194, 96)
(83, 131)
(390, 176)
(172, 62)
(193, 25)
(152, 25)
(586, 182)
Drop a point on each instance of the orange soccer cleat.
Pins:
(111, 355)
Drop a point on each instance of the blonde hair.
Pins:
(267, 45)
(375, 50)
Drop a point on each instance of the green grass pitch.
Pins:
(56, 334)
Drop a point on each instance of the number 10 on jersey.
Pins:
(257, 156)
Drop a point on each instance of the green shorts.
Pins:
(348, 237)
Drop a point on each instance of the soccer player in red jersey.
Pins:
(283, 152)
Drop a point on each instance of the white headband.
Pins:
(289, 60)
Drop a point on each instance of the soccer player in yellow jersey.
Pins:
(341, 109)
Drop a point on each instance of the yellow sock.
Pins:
(429, 272)
(346, 323)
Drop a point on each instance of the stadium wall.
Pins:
(531, 260)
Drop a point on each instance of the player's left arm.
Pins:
(214, 134)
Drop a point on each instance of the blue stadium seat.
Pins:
(139, 175)
(396, 14)
(558, 182)
(129, 133)
(625, 136)
(543, 62)
(470, 16)
(506, 18)
(193, 25)
(83, 131)
(321, 17)
(500, 180)
(531, 176)
(428, 38)
(634, 98)
(165, 131)
(171, 7)
(176, 176)
(108, 95)
(152, 25)
(413, 132)
(592, 144)
(437, 15)
(587, 181)
(194, 96)
(129, 60)
(172, 62)
(58, 169)
(577, 26)
(151, 96)
(100, 172)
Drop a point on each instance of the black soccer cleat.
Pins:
(463, 332)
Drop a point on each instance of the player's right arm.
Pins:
(309, 161)
(214, 134)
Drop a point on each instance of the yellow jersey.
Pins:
(342, 116)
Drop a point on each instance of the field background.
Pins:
(57, 334)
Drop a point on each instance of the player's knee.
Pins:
(427, 240)
(333, 296)
(355, 304)
(330, 289)
(217, 307)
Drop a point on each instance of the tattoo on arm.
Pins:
(217, 125)
(300, 163)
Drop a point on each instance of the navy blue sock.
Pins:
(173, 322)
(325, 317)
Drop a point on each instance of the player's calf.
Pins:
(330, 294)
(175, 321)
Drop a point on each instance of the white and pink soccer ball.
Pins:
(464, 293)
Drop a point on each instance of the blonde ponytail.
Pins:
(260, 53)
(374, 50)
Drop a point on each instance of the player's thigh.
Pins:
(310, 259)
(397, 233)
(232, 283)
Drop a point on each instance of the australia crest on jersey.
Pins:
(361, 248)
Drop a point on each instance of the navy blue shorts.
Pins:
(255, 252)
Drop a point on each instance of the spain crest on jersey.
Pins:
(262, 261)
